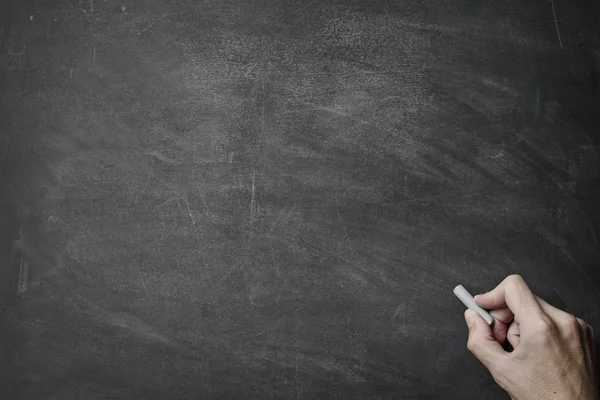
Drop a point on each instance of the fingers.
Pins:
(566, 323)
(513, 293)
(585, 343)
(481, 341)
(592, 341)
(592, 352)
(503, 317)
(499, 330)
(514, 335)
(555, 313)
(521, 316)
(573, 328)
(588, 343)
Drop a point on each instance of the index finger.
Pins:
(513, 293)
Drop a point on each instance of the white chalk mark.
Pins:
(133, 325)
(16, 54)
(253, 191)
(233, 268)
(161, 157)
(522, 139)
(338, 111)
(262, 117)
(177, 198)
(205, 205)
(500, 154)
(92, 34)
(278, 216)
(556, 24)
(208, 212)
(23, 276)
(348, 243)
(276, 220)
(155, 22)
(297, 358)
(165, 202)
(6, 146)
(191, 216)
(560, 244)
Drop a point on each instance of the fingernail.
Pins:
(469, 318)
(476, 296)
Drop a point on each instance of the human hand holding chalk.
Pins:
(554, 354)
(468, 300)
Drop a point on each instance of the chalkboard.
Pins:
(274, 199)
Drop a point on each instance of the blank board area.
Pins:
(274, 199)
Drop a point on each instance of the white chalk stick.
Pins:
(469, 301)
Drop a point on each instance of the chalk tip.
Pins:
(459, 288)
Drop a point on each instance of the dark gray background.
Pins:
(274, 199)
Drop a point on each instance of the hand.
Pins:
(554, 352)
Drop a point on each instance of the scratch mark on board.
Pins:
(6, 147)
(297, 357)
(345, 238)
(131, 324)
(556, 24)
(239, 265)
(206, 207)
(253, 191)
(561, 245)
(16, 54)
(187, 204)
(262, 110)
(279, 216)
(159, 19)
(161, 157)
(23, 276)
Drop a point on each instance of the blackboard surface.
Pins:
(274, 199)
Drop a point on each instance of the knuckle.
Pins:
(544, 329)
(545, 324)
(514, 279)
(572, 324)
(472, 344)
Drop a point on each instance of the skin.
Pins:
(554, 352)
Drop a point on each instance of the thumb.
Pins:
(481, 341)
